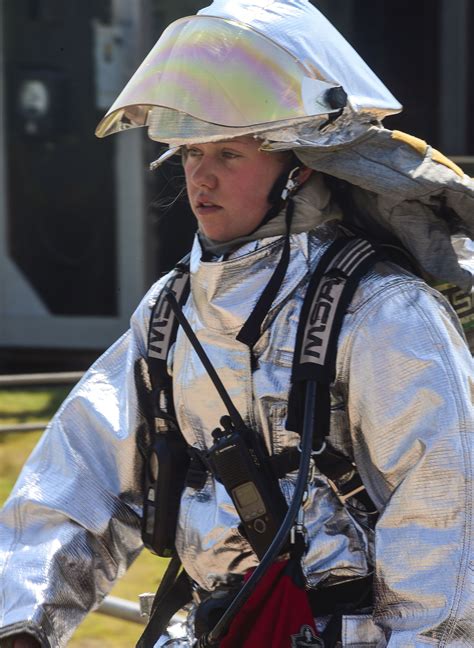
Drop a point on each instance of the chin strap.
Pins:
(251, 330)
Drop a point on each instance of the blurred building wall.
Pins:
(72, 211)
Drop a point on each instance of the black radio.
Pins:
(242, 468)
(165, 474)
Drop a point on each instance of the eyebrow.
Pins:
(230, 140)
(236, 140)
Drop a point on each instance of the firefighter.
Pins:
(278, 124)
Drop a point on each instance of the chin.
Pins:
(219, 237)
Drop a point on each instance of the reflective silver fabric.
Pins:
(399, 182)
(401, 406)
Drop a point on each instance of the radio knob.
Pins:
(259, 526)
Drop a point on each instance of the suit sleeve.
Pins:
(410, 378)
(71, 525)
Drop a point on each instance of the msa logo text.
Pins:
(160, 329)
(320, 319)
(163, 319)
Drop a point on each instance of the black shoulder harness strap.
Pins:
(175, 588)
(329, 294)
(167, 457)
(163, 324)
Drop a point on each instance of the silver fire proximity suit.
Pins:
(401, 402)
(400, 408)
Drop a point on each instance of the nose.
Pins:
(203, 173)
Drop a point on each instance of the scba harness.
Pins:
(237, 459)
(172, 465)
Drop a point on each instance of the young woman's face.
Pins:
(228, 184)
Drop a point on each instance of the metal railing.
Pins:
(122, 609)
(35, 380)
(32, 380)
(23, 427)
(137, 613)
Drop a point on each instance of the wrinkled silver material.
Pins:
(407, 187)
(400, 408)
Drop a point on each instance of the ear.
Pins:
(303, 174)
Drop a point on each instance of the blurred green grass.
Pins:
(39, 404)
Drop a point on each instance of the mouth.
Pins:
(206, 207)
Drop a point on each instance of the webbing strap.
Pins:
(329, 294)
(173, 593)
(163, 324)
(330, 291)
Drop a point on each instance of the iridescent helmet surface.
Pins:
(247, 67)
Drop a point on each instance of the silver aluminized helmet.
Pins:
(269, 68)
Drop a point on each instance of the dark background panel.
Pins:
(399, 40)
(61, 193)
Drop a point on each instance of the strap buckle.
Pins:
(342, 494)
(298, 527)
(198, 469)
(315, 452)
(146, 604)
